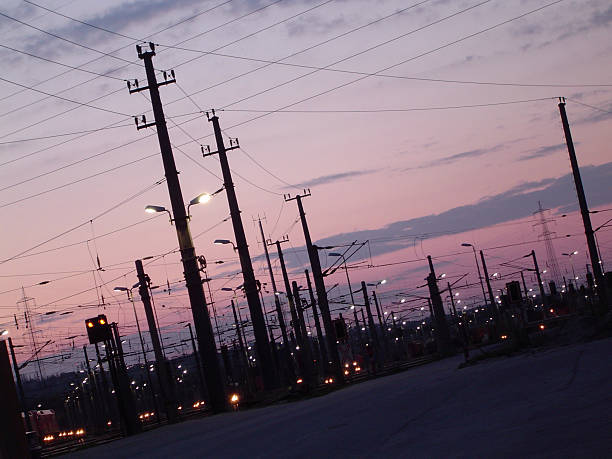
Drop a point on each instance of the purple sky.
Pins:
(366, 104)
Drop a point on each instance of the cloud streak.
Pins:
(542, 152)
(331, 178)
(518, 202)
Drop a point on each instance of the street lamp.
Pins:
(203, 198)
(157, 209)
(484, 296)
(225, 241)
(569, 256)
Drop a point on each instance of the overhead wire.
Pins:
(466, 37)
(73, 228)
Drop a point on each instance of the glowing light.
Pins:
(234, 398)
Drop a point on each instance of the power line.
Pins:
(86, 222)
(114, 51)
(329, 40)
(371, 48)
(394, 110)
(65, 134)
(65, 39)
(49, 190)
(391, 66)
(131, 225)
(83, 104)
(400, 77)
(590, 106)
(57, 62)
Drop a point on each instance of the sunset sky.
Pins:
(416, 125)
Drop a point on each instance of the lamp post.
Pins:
(484, 296)
(130, 296)
(193, 281)
(569, 256)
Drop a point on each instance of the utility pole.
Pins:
(13, 442)
(491, 297)
(371, 325)
(524, 286)
(539, 278)
(315, 313)
(443, 335)
(24, 408)
(315, 264)
(383, 328)
(281, 258)
(305, 344)
(262, 344)
(461, 325)
(197, 359)
(199, 310)
(240, 341)
(166, 382)
(279, 310)
(584, 208)
(124, 394)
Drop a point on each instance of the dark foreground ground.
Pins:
(551, 403)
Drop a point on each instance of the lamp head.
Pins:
(154, 209)
(201, 199)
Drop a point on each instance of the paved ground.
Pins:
(555, 403)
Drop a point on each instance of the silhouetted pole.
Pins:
(277, 303)
(243, 353)
(524, 286)
(193, 281)
(304, 345)
(294, 316)
(371, 325)
(144, 355)
(383, 328)
(584, 208)
(262, 344)
(22, 398)
(359, 337)
(364, 325)
(539, 278)
(460, 325)
(12, 435)
(315, 264)
(203, 391)
(166, 386)
(443, 335)
(124, 392)
(315, 313)
(105, 392)
(491, 297)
